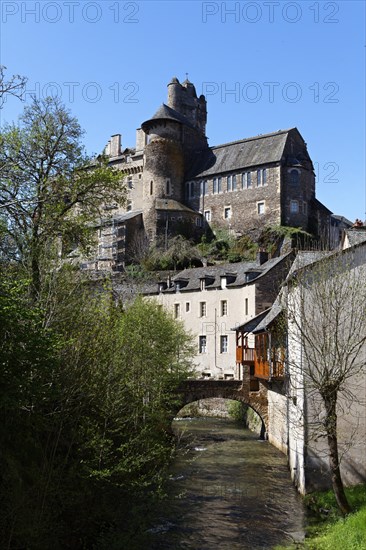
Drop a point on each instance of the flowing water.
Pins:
(227, 490)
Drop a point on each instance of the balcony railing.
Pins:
(245, 356)
(262, 369)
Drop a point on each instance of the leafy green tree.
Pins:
(28, 386)
(50, 192)
(87, 394)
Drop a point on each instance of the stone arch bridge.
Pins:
(238, 390)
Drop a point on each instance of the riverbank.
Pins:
(327, 530)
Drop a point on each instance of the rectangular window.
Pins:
(264, 176)
(176, 310)
(259, 178)
(246, 306)
(260, 208)
(188, 307)
(304, 208)
(216, 187)
(233, 181)
(229, 183)
(294, 207)
(249, 180)
(129, 206)
(223, 307)
(208, 215)
(223, 344)
(202, 344)
(203, 309)
(227, 212)
(203, 187)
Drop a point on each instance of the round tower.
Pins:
(174, 94)
(163, 175)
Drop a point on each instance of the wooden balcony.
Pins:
(262, 370)
(245, 356)
(256, 358)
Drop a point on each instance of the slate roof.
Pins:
(127, 216)
(305, 258)
(252, 324)
(171, 204)
(272, 314)
(117, 218)
(356, 235)
(320, 206)
(166, 113)
(254, 151)
(213, 274)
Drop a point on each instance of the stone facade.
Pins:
(180, 185)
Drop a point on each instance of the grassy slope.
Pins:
(327, 530)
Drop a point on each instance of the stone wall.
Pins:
(243, 202)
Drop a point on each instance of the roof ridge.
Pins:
(260, 136)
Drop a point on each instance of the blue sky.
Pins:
(263, 66)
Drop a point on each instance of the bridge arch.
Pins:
(236, 390)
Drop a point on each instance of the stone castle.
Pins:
(178, 184)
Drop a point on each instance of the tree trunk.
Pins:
(35, 265)
(331, 429)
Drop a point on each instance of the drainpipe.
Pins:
(270, 362)
(215, 339)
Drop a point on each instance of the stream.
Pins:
(227, 490)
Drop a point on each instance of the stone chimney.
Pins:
(140, 139)
(115, 145)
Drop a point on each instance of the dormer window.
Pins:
(202, 284)
(162, 286)
(180, 283)
(223, 282)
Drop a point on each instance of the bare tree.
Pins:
(14, 85)
(326, 320)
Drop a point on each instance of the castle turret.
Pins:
(183, 99)
(174, 134)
